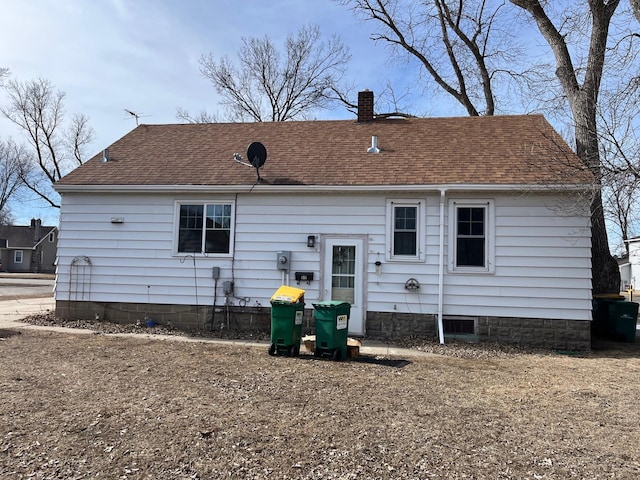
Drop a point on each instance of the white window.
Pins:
(52, 237)
(405, 230)
(205, 228)
(17, 256)
(471, 236)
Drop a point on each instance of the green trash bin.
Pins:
(623, 318)
(332, 328)
(287, 311)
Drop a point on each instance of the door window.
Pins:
(343, 273)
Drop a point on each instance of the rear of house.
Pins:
(471, 227)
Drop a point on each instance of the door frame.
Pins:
(358, 311)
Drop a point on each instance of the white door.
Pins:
(343, 277)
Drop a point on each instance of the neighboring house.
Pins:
(625, 272)
(630, 265)
(471, 226)
(28, 249)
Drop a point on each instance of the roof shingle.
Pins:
(497, 150)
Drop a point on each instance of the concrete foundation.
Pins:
(555, 334)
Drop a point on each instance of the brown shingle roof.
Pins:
(498, 150)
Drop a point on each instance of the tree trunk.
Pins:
(583, 101)
(635, 5)
(604, 268)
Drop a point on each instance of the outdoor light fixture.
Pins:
(311, 241)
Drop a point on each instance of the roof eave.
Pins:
(62, 188)
(52, 229)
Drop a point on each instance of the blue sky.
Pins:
(142, 55)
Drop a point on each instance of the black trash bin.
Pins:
(601, 325)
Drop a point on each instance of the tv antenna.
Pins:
(135, 115)
(256, 154)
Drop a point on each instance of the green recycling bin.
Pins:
(623, 318)
(332, 328)
(287, 311)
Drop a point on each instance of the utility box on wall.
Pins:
(283, 260)
(304, 277)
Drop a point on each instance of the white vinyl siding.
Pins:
(634, 263)
(542, 255)
(542, 264)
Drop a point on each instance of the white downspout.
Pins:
(441, 268)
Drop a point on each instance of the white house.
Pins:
(630, 270)
(431, 226)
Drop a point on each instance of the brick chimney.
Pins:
(36, 225)
(365, 106)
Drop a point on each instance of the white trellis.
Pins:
(80, 279)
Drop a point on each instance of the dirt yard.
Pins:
(97, 406)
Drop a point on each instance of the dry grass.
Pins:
(97, 406)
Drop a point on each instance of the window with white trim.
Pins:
(471, 232)
(405, 229)
(52, 237)
(17, 256)
(205, 228)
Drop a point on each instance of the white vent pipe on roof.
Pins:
(374, 145)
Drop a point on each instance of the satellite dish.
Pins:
(257, 154)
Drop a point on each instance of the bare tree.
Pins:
(461, 47)
(621, 204)
(201, 117)
(388, 103)
(464, 46)
(635, 5)
(620, 158)
(6, 218)
(265, 84)
(580, 84)
(38, 110)
(619, 133)
(12, 161)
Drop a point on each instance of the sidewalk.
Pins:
(12, 311)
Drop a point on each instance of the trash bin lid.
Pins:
(330, 303)
(608, 296)
(288, 294)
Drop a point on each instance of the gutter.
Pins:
(261, 188)
(441, 268)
